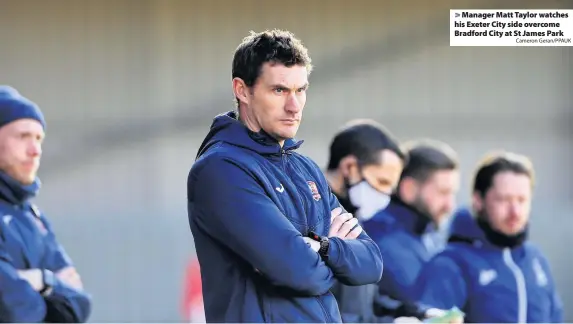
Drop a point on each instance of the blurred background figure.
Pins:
(130, 87)
(364, 167)
(192, 304)
(38, 280)
(408, 232)
(490, 270)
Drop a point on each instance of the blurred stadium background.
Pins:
(129, 88)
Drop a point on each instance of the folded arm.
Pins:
(441, 284)
(19, 301)
(395, 290)
(68, 302)
(231, 206)
(355, 262)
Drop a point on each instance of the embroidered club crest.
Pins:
(314, 190)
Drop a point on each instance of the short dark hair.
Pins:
(364, 139)
(274, 46)
(497, 162)
(427, 156)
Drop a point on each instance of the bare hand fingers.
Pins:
(335, 212)
(354, 233)
(66, 272)
(347, 227)
(75, 282)
(337, 223)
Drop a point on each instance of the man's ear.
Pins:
(477, 202)
(241, 91)
(349, 168)
(408, 189)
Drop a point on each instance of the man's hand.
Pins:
(343, 225)
(70, 276)
(33, 277)
(407, 320)
(440, 313)
(314, 245)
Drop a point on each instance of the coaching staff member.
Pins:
(270, 236)
(38, 282)
(490, 270)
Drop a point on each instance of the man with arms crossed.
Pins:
(270, 236)
(38, 282)
(363, 169)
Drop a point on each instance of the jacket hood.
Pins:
(228, 129)
(16, 193)
(464, 227)
(469, 229)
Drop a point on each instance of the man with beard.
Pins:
(38, 281)
(408, 232)
(489, 269)
(364, 167)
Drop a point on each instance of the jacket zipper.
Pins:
(521, 288)
(298, 190)
(326, 315)
(301, 197)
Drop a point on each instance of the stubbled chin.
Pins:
(289, 132)
(27, 178)
(513, 230)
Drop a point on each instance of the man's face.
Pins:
(382, 176)
(277, 100)
(507, 203)
(436, 196)
(20, 149)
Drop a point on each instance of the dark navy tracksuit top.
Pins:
(250, 204)
(490, 283)
(28, 242)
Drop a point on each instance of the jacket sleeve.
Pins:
(354, 262)
(441, 284)
(556, 307)
(396, 291)
(556, 302)
(228, 204)
(19, 302)
(65, 304)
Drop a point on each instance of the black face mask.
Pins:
(499, 239)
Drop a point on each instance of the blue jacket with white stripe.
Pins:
(491, 284)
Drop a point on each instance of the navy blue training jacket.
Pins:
(250, 203)
(490, 284)
(27, 241)
(407, 240)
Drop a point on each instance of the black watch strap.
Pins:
(324, 244)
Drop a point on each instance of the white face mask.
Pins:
(367, 199)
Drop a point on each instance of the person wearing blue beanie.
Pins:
(38, 281)
(22, 128)
(14, 106)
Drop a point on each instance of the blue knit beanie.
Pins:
(14, 106)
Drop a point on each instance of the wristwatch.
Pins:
(48, 280)
(324, 244)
